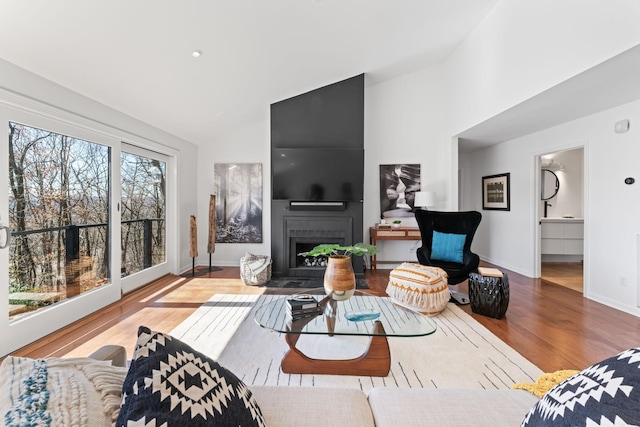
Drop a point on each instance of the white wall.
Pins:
(248, 144)
(404, 124)
(499, 238)
(611, 208)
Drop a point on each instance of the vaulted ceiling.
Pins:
(606, 85)
(136, 55)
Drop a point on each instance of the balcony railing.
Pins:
(80, 251)
(72, 237)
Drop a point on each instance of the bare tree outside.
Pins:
(143, 212)
(59, 192)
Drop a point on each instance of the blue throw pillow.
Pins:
(604, 394)
(447, 246)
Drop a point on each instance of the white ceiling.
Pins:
(606, 85)
(135, 55)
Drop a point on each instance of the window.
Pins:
(59, 217)
(143, 204)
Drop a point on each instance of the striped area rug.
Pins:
(460, 354)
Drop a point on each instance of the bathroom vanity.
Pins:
(562, 236)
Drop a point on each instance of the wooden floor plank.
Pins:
(567, 274)
(551, 325)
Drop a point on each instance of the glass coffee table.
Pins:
(362, 314)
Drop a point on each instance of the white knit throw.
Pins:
(59, 392)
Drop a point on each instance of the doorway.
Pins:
(561, 218)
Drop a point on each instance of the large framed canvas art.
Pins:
(238, 190)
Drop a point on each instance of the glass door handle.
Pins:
(8, 237)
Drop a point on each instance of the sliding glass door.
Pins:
(58, 218)
(56, 225)
(143, 209)
(83, 218)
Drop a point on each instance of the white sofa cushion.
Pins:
(313, 406)
(393, 407)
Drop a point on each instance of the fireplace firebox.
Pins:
(303, 234)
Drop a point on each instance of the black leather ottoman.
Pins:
(489, 294)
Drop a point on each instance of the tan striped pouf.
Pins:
(419, 287)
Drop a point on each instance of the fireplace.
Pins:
(302, 234)
(303, 245)
(328, 118)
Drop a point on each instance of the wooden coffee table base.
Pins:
(374, 362)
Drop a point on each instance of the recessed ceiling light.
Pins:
(196, 53)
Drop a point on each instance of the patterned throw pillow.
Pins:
(604, 394)
(170, 384)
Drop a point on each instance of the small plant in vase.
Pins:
(396, 223)
(339, 278)
(332, 249)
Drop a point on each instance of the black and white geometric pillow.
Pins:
(604, 394)
(171, 384)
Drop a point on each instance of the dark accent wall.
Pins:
(331, 117)
(328, 117)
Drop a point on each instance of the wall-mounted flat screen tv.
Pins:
(317, 174)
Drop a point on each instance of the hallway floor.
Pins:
(567, 274)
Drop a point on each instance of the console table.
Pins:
(402, 233)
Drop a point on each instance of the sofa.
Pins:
(315, 406)
(100, 390)
(392, 407)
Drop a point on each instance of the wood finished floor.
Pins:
(567, 274)
(551, 325)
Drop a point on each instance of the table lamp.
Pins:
(424, 199)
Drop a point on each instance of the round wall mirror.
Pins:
(550, 184)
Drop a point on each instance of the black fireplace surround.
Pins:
(329, 118)
(302, 234)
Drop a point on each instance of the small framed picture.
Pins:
(496, 192)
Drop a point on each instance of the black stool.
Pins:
(489, 294)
